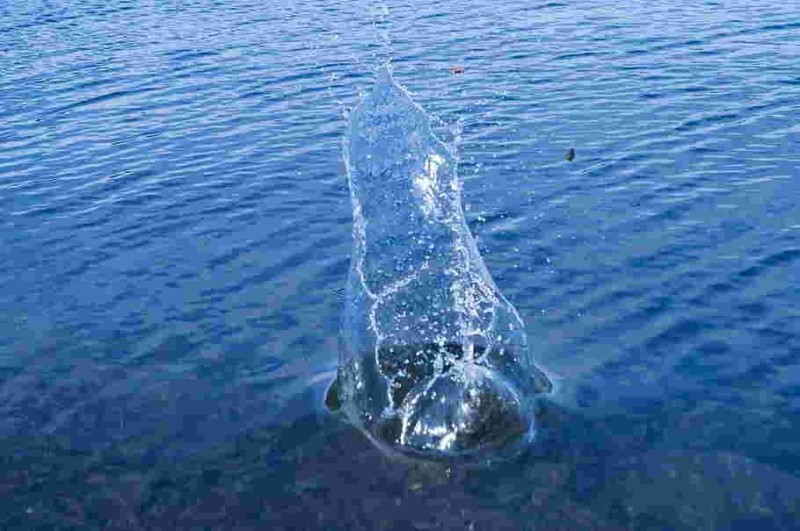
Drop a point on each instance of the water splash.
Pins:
(433, 357)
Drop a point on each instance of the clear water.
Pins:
(175, 239)
(433, 358)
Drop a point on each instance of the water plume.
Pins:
(433, 358)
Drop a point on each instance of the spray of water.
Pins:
(433, 357)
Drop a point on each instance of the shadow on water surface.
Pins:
(632, 471)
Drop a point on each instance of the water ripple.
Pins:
(176, 224)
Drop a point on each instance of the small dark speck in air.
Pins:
(570, 154)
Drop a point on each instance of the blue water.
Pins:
(175, 238)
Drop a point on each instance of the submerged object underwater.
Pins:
(433, 359)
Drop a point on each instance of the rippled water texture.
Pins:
(433, 358)
(175, 235)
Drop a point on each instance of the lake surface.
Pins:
(176, 231)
